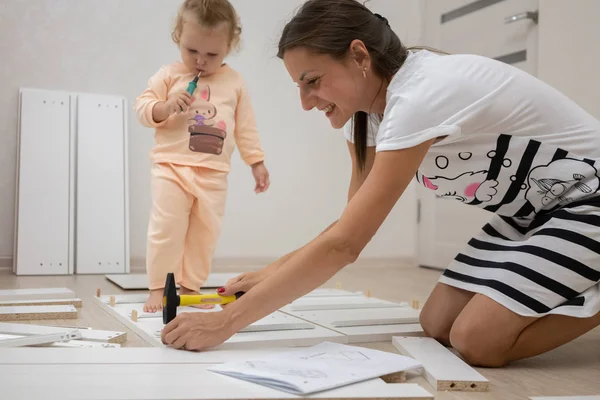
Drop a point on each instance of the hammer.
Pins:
(171, 300)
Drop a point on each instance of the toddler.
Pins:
(194, 139)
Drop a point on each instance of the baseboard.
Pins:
(244, 264)
(136, 263)
(6, 262)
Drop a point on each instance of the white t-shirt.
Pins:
(514, 145)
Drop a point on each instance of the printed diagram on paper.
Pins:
(340, 355)
(302, 373)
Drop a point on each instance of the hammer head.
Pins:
(170, 299)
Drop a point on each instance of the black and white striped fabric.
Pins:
(541, 253)
(550, 266)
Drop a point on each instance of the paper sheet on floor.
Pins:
(322, 367)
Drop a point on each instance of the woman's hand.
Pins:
(197, 331)
(243, 282)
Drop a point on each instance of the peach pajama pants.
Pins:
(188, 205)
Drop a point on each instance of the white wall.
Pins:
(568, 54)
(114, 46)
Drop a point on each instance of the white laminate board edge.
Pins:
(443, 369)
(92, 335)
(35, 294)
(35, 340)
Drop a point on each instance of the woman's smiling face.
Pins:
(330, 85)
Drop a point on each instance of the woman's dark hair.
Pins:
(329, 27)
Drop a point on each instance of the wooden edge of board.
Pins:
(77, 303)
(33, 313)
(462, 386)
(396, 377)
(482, 385)
(118, 339)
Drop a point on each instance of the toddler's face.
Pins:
(204, 49)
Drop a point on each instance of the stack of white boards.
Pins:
(38, 304)
(48, 304)
(323, 315)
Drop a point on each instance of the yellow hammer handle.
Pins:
(193, 299)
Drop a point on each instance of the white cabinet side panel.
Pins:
(43, 199)
(101, 198)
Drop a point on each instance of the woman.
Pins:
(470, 128)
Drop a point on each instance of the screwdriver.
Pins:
(192, 86)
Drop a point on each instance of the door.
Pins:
(502, 29)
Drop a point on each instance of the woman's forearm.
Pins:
(323, 257)
(307, 269)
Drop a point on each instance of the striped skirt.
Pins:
(548, 265)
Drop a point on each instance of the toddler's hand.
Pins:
(261, 176)
(178, 102)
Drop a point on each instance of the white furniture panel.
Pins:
(362, 317)
(339, 303)
(130, 355)
(91, 335)
(367, 324)
(44, 184)
(443, 369)
(287, 331)
(36, 294)
(168, 381)
(102, 221)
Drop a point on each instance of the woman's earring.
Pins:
(365, 73)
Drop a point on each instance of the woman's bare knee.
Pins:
(434, 325)
(485, 332)
(469, 339)
(441, 310)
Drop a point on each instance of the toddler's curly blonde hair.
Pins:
(209, 13)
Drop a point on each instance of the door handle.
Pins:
(532, 15)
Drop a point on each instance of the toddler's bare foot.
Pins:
(155, 301)
(184, 291)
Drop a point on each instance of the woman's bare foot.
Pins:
(155, 301)
(184, 291)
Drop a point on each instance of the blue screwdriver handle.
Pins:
(192, 86)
